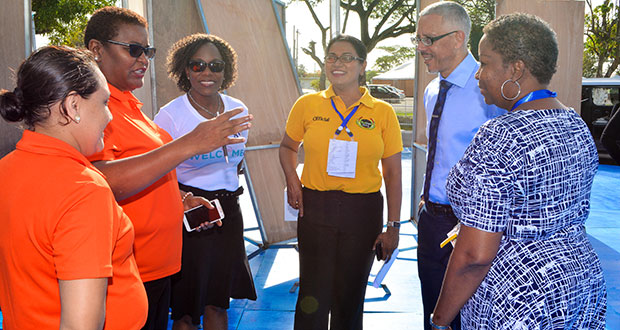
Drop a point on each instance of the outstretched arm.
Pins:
(131, 175)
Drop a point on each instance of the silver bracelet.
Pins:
(187, 194)
(435, 326)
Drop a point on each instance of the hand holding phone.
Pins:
(198, 215)
(379, 251)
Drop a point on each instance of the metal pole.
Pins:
(334, 21)
(413, 209)
(28, 29)
(149, 17)
(203, 19)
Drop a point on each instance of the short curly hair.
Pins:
(105, 22)
(183, 50)
(527, 38)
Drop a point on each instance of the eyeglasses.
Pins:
(428, 41)
(215, 66)
(136, 50)
(345, 58)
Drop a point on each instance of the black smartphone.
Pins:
(379, 251)
(201, 214)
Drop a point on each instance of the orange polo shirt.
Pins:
(60, 221)
(157, 211)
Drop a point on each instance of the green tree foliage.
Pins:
(589, 65)
(315, 84)
(397, 55)
(63, 21)
(371, 74)
(379, 20)
(601, 46)
(481, 12)
(301, 71)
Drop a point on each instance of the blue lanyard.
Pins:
(345, 121)
(535, 95)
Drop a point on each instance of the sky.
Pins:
(298, 17)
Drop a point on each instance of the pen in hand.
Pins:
(225, 153)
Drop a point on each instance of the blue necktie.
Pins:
(432, 134)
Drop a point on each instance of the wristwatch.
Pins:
(435, 326)
(395, 224)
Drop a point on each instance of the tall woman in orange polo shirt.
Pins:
(340, 206)
(139, 157)
(64, 239)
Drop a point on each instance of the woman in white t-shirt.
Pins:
(214, 265)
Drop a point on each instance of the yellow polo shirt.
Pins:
(374, 126)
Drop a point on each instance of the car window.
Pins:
(604, 96)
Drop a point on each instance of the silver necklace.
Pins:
(219, 102)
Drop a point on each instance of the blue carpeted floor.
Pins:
(276, 270)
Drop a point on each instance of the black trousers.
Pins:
(336, 236)
(158, 294)
(433, 260)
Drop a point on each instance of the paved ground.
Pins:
(276, 270)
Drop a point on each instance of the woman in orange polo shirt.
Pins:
(64, 239)
(139, 157)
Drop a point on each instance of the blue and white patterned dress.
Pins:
(528, 174)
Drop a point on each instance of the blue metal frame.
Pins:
(275, 3)
(203, 19)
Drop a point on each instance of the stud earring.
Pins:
(77, 119)
(96, 58)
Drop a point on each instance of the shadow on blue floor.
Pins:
(276, 270)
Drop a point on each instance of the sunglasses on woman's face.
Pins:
(136, 50)
(198, 65)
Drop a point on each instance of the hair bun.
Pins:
(11, 105)
(18, 93)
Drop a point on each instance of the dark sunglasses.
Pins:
(136, 50)
(198, 65)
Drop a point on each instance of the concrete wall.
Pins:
(12, 53)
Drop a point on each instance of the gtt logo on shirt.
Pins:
(365, 123)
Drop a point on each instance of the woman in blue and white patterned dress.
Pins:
(522, 194)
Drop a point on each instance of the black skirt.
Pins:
(214, 266)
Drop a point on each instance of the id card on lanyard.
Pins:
(342, 155)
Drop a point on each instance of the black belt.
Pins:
(219, 194)
(439, 209)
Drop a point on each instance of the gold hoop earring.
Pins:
(502, 90)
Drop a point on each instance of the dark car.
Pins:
(598, 98)
(385, 93)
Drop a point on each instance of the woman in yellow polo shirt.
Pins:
(346, 132)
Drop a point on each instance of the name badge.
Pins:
(342, 158)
